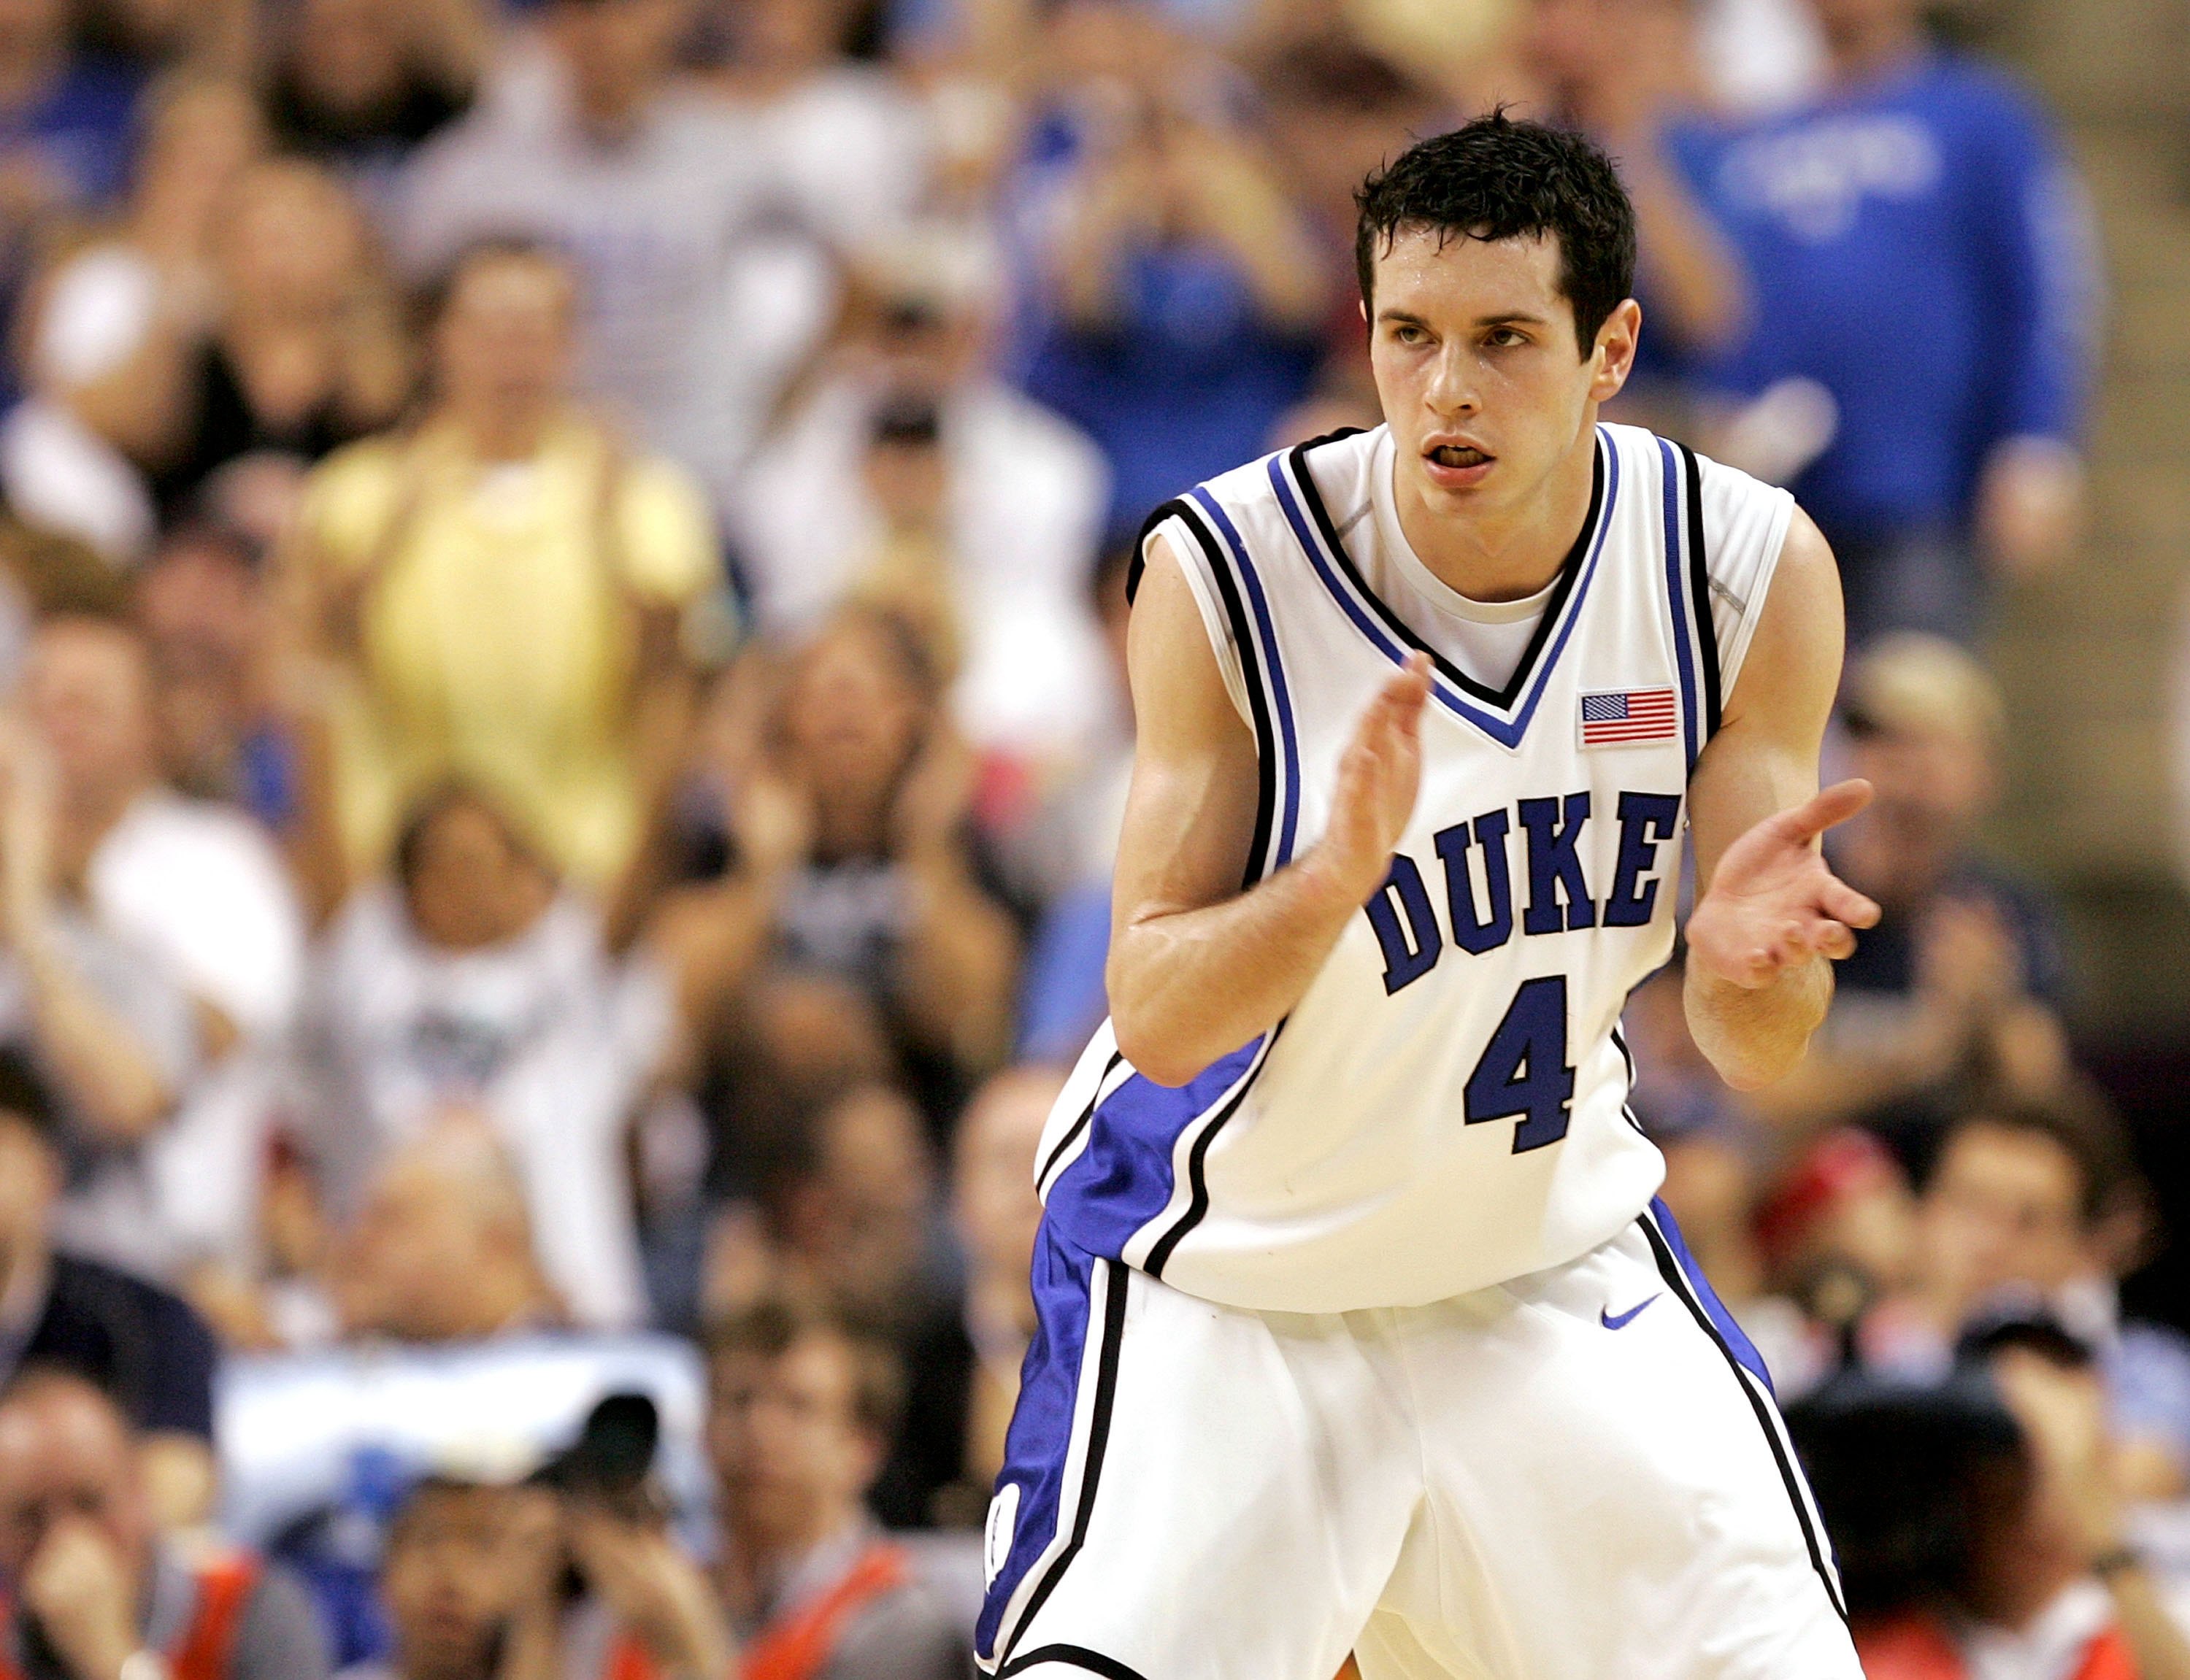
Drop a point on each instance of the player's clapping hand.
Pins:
(1773, 904)
(1378, 778)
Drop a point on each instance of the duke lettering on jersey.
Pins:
(1446, 1106)
(1478, 881)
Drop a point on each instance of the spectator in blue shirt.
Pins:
(1180, 295)
(1918, 251)
(65, 122)
(1629, 73)
(67, 127)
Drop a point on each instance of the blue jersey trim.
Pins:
(1676, 598)
(1507, 733)
(1267, 634)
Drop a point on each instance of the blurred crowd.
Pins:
(561, 617)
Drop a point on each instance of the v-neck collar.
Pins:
(1502, 714)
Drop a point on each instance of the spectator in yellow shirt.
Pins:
(502, 589)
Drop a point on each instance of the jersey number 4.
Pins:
(1524, 1069)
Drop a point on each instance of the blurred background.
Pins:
(561, 629)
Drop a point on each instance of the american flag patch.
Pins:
(1628, 714)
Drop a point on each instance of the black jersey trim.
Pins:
(1116, 1279)
(1072, 1132)
(1554, 610)
(1699, 589)
(1073, 1656)
(1251, 668)
(1138, 563)
(1669, 1269)
(1137, 566)
(1626, 1106)
(1197, 1178)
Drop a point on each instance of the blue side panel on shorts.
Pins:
(1128, 1174)
(1041, 1437)
(1737, 1339)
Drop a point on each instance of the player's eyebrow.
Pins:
(1505, 318)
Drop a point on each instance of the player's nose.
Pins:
(1452, 389)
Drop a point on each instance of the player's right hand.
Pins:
(1378, 778)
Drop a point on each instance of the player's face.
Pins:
(1482, 380)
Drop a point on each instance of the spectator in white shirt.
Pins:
(911, 476)
(583, 139)
(848, 143)
(197, 934)
(473, 980)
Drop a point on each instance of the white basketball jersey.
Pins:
(1446, 1108)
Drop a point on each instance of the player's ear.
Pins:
(1615, 351)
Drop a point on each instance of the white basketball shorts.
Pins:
(1577, 1475)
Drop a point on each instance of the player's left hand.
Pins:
(1773, 904)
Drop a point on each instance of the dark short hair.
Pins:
(488, 251)
(434, 1486)
(25, 1096)
(40, 1376)
(438, 799)
(1496, 178)
(2080, 1126)
(773, 1326)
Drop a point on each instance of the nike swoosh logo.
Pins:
(1612, 1320)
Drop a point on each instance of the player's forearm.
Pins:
(1754, 1036)
(1189, 987)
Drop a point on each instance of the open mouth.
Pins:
(1459, 455)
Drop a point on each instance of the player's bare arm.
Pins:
(1197, 968)
(1770, 918)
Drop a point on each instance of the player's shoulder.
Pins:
(1720, 493)
(1236, 508)
(1331, 463)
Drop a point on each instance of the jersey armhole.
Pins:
(1216, 624)
(1746, 523)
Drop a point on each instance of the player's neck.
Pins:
(1505, 554)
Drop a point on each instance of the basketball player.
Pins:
(1360, 1326)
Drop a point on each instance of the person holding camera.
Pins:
(563, 1576)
